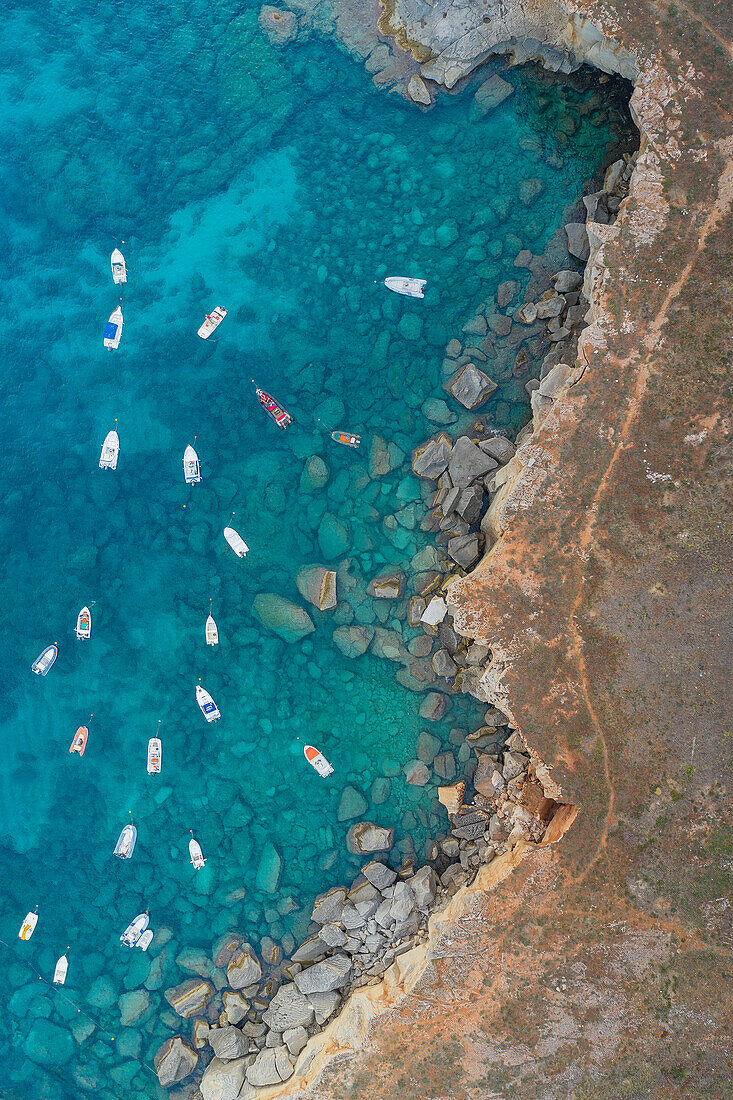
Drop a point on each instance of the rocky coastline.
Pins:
(264, 1026)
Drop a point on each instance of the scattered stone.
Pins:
(433, 706)
(223, 1080)
(423, 885)
(295, 1039)
(417, 774)
(388, 586)
(499, 447)
(527, 314)
(505, 292)
(465, 550)
(322, 977)
(431, 459)
(353, 640)
(578, 244)
(489, 95)
(436, 410)
(471, 388)
(286, 619)
(452, 797)
(444, 765)
(435, 612)
(289, 1008)
(443, 663)
(352, 804)
(379, 874)
(189, 998)
(368, 837)
(235, 1006)
(329, 906)
(567, 280)
(263, 1071)
(227, 1043)
(268, 869)
(418, 91)
(317, 585)
(467, 462)
(244, 968)
(334, 537)
(428, 747)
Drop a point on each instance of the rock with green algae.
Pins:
(315, 474)
(334, 537)
(352, 804)
(47, 1044)
(285, 618)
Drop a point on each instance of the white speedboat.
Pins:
(155, 756)
(212, 631)
(208, 707)
(191, 466)
(197, 856)
(237, 543)
(401, 284)
(84, 623)
(145, 940)
(135, 929)
(28, 926)
(110, 451)
(44, 660)
(59, 974)
(119, 268)
(126, 841)
(212, 321)
(318, 761)
(113, 329)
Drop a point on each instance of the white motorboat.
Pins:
(212, 321)
(237, 543)
(197, 856)
(318, 761)
(28, 926)
(59, 974)
(145, 940)
(119, 268)
(110, 451)
(84, 623)
(135, 929)
(401, 284)
(44, 660)
(155, 755)
(113, 329)
(191, 466)
(208, 707)
(126, 841)
(211, 630)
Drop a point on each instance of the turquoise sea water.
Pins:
(280, 185)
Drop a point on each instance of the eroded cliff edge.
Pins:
(595, 968)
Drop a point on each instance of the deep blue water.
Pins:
(283, 186)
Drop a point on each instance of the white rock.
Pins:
(435, 612)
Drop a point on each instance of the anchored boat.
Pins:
(110, 451)
(402, 284)
(79, 743)
(211, 630)
(318, 761)
(346, 438)
(28, 926)
(212, 321)
(237, 543)
(208, 707)
(155, 755)
(281, 417)
(197, 856)
(145, 940)
(119, 268)
(113, 329)
(126, 841)
(135, 929)
(59, 974)
(191, 466)
(44, 660)
(84, 623)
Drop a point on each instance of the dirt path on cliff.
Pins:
(697, 18)
(586, 541)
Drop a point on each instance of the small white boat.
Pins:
(191, 466)
(401, 284)
(237, 543)
(155, 756)
(135, 929)
(28, 926)
(318, 761)
(145, 940)
(126, 841)
(110, 451)
(212, 321)
(208, 707)
(84, 623)
(197, 856)
(59, 974)
(211, 630)
(113, 329)
(119, 268)
(44, 660)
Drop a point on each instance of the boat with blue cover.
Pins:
(113, 329)
(44, 660)
(135, 929)
(207, 705)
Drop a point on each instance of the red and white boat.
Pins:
(273, 410)
(79, 743)
(212, 321)
(318, 761)
(84, 623)
(155, 753)
(346, 438)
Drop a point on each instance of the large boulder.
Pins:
(417, 91)
(269, 1067)
(498, 447)
(223, 1080)
(47, 1044)
(578, 244)
(352, 804)
(489, 95)
(471, 387)
(388, 586)
(467, 462)
(244, 968)
(567, 280)
(235, 1006)
(368, 837)
(353, 640)
(379, 874)
(174, 1060)
(285, 618)
(417, 774)
(334, 537)
(323, 977)
(228, 1043)
(190, 998)
(423, 885)
(288, 1008)
(431, 459)
(324, 1004)
(465, 550)
(315, 474)
(433, 706)
(317, 585)
(328, 907)
(269, 869)
(435, 612)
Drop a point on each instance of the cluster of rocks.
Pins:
(252, 1016)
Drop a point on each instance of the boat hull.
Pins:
(84, 624)
(113, 330)
(237, 543)
(28, 926)
(318, 761)
(212, 632)
(276, 412)
(59, 974)
(197, 856)
(207, 705)
(110, 451)
(135, 929)
(119, 267)
(191, 466)
(346, 439)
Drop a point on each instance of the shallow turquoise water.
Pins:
(280, 185)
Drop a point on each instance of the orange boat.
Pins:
(80, 740)
(346, 438)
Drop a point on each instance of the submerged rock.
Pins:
(417, 91)
(353, 640)
(433, 706)
(280, 25)
(334, 537)
(315, 474)
(286, 619)
(388, 586)
(417, 774)
(269, 869)
(317, 585)
(47, 1044)
(174, 1060)
(368, 837)
(352, 804)
(489, 95)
